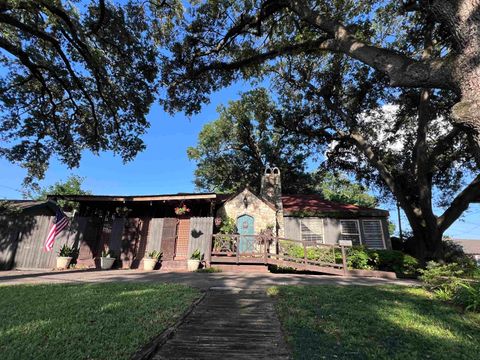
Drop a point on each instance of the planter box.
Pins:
(193, 265)
(106, 263)
(63, 262)
(149, 264)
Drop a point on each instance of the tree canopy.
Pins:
(71, 186)
(233, 151)
(376, 85)
(76, 76)
(223, 41)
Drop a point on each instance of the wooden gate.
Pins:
(169, 234)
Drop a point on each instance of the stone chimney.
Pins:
(271, 190)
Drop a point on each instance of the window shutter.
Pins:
(312, 229)
(373, 234)
(350, 231)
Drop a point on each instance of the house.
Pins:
(179, 224)
(305, 217)
(470, 247)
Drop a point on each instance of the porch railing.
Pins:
(275, 250)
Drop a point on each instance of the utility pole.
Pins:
(399, 222)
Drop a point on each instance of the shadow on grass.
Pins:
(88, 321)
(375, 323)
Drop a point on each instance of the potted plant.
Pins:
(106, 260)
(194, 262)
(65, 256)
(151, 259)
(181, 210)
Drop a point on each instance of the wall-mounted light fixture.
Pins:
(245, 201)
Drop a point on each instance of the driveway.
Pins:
(221, 280)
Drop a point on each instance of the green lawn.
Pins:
(357, 322)
(88, 321)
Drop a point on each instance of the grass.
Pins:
(388, 322)
(88, 321)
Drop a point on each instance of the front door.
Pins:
(246, 231)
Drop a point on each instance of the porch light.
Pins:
(245, 201)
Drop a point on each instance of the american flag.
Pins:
(60, 223)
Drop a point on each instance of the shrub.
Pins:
(453, 253)
(394, 260)
(468, 296)
(443, 280)
(359, 258)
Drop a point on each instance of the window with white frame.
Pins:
(350, 230)
(373, 234)
(312, 229)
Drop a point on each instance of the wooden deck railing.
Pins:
(234, 248)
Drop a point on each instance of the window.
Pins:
(373, 232)
(312, 229)
(350, 230)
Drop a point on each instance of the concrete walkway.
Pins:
(228, 324)
(249, 280)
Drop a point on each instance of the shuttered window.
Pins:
(312, 229)
(350, 230)
(373, 232)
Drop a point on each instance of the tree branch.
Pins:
(402, 70)
(460, 204)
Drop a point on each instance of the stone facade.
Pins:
(247, 203)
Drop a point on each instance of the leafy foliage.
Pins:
(77, 76)
(67, 251)
(228, 226)
(350, 96)
(233, 151)
(468, 296)
(196, 255)
(154, 254)
(449, 283)
(71, 186)
(336, 187)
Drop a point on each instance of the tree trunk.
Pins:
(426, 244)
(463, 19)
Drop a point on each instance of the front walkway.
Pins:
(228, 324)
(200, 280)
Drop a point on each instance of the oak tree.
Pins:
(77, 75)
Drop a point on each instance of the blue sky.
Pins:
(164, 167)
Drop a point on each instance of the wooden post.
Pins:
(344, 261)
(265, 256)
(208, 259)
(237, 239)
(304, 253)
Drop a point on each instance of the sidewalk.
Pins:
(228, 325)
(200, 280)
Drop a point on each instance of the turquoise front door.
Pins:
(246, 231)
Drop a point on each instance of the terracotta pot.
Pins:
(149, 264)
(63, 262)
(193, 265)
(106, 263)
